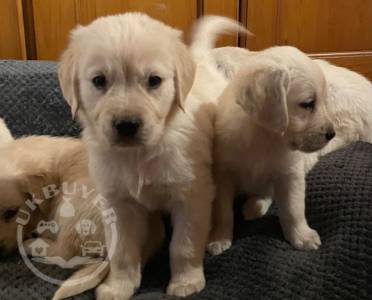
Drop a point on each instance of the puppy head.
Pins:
(285, 93)
(15, 189)
(123, 76)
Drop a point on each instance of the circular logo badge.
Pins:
(80, 231)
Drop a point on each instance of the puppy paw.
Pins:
(218, 247)
(220, 240)
(304, 238)
(255, 208)
(186, 287)
(112, 291)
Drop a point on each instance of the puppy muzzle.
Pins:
(127, 130)
(314, 142)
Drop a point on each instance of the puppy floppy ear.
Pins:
(68, 80)
(184, 73)
(263, 95)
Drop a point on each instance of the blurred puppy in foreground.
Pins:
(37, 175)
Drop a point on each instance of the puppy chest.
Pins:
(151, 183)
(155, 197)
(254, 183)
(254, 176)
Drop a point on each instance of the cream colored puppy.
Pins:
(348, 102)
(147, 109)
(272, 112)
(37, 175)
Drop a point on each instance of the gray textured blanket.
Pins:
(260, 264)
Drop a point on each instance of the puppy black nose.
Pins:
(330, 134)
(127, 127)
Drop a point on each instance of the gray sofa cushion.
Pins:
(260, 264)
(30, 99)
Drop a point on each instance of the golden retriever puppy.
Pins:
(270, 115)
(147, 110)
(38, 175)
(348, 104)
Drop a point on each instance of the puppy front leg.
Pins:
(191, 221)
(289, 192)
(223, 218)
(125, 264)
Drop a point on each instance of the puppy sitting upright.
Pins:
(268, 115)
(147, 113)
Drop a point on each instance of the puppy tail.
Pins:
(5, 135)
(82, 280)
(207, 29)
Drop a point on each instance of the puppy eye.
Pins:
(308, 104)
(10, 213)
(99, 82)
(154, 81)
